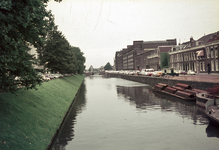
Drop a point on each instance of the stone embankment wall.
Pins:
(202, 85)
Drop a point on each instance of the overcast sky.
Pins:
(102, 27)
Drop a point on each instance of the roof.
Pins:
(206, 38)
(215, 37)
(164, 49)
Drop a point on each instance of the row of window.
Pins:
(211, 52)
(194, 66)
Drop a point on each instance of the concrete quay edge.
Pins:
(202, 85)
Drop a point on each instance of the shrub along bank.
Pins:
(30, 119)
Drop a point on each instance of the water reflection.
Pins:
(212, 131)
(144, 99)
(122, 114)
(67, 130)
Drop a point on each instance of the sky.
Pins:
(102, 27)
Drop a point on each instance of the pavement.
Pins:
(202, 77)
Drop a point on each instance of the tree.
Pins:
(164, 60)
(108, 66)
(91, 68)
(57, 54)
(80, 59)
(23, 23)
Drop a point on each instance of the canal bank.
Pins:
(31, 118)
(198, 81)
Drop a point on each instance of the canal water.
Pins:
(117, 114)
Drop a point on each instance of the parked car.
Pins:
(131, 72)
(137, 72)
(191, 72)
(46, 78)
(157, 73)
(149, 73)
(182, 72)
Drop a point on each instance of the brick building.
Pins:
(136, 56)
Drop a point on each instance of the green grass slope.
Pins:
(29, 119)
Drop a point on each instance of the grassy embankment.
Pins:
(29, 119)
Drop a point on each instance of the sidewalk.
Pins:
(215, 74)
(200, 77)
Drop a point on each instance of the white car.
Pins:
(157, 73)
(191, 72)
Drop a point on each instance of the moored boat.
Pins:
(212, 105)
(212, 111)
(202, 98)
(175, 91)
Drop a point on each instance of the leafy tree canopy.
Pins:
(23, 23)
(91, 68)
(57, 54)
(80, 59)
(108, 66)
(164, 60)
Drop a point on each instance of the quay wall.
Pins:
(155, 80)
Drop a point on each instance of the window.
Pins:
(216, 64)
(200, 66)
(212, 65)
(189, 56)
(203, 66)
(194, 66)
(208, 52)
(216, 51)
(212, 52)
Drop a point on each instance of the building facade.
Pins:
(200, 56)
(135, 57)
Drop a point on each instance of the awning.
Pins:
(200, 53)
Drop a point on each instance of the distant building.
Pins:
(135, 57)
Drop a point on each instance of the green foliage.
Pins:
(164, 60)
(91, 69)
(59, 56)
(80, 59)
(108, 66)
(23, 23)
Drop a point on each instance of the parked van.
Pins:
(149, 72)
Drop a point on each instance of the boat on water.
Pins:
(202, 98)
(212, 111)
(182, 91)
(212, 105)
